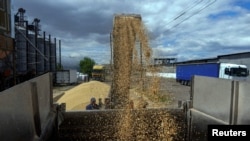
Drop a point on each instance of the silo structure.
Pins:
(53, 57)
(47, 55)
(21, 51)
(40, 58)
(31, 53)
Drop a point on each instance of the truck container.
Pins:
(185, 72)
(66, 77)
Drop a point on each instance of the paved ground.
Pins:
(172, 90)
(175, 91)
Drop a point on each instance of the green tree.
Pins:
(86, 65)
(59, 66)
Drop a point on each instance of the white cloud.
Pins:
(84, 26)
(165, 52)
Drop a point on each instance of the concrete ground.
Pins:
(172, 90)
(175, 91)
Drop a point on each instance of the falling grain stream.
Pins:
(131, 60)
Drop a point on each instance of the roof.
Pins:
(98, 67)
(212, 59)
(215, 59)
(241, 53)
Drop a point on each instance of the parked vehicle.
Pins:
(98, 73)
(185, 72)
(66, 77)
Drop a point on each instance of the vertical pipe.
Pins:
(14, 61)
(36, 53)
(27, 48)
(60, 60)
(45, 51)
(55, 61)
(50, 60)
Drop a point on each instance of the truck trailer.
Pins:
(66, 77)
(185, 72)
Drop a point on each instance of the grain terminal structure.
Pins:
(26, 55)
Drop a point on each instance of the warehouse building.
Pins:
(236, 58)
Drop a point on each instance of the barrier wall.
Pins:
(217, 101)
(209, 94)
(25, 110)
(16, 114)
(243, 110)
(44, 95)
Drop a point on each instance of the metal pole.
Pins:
(50, 60)
(60, 60)
(27, 45)
(36, 53)
(45, 51)
(55, 54)
(14, 62)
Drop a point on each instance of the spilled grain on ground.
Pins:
(78, 97)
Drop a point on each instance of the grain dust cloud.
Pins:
(131, 60)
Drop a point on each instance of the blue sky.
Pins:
(186, 30)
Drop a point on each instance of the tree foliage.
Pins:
(86, 65)
(59, 66)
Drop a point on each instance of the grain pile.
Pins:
(78, 97)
